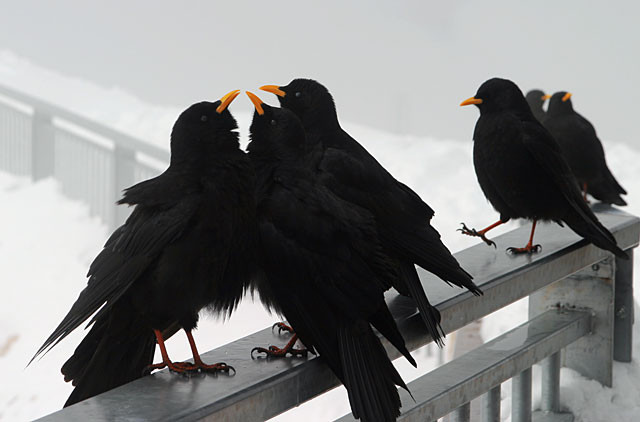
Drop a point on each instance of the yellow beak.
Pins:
(472, 100)
(274, 89)
(257, 102)
(545, 97)
(566, 96)
(226, 100)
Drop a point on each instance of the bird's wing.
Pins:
(129, 252)
(362, 179)
(546, 151)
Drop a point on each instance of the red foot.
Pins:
(191, 368)
(282, 327)
(474, 233)
(277, 352)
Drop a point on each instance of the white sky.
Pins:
(400, 66)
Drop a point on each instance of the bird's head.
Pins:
(204, 126)
(536, 98)
(560, 102)
(497, 95)
(308, 99)
(275, 132)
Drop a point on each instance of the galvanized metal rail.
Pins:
(264, 388)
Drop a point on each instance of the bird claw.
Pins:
(188, 368)
(474, 233)
(282, 327)
(277, 352)
(526, 250)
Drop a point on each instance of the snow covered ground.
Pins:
(47, 242)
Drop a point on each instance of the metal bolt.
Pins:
(595, 267)
(621, 312)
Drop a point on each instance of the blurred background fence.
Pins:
(92, 162)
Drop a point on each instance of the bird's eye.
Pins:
(298, 94)
(273, 122)
(203, 118)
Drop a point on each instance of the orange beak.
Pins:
(472, 100)
(226, 100)
(274, 89)
(566, 97)
(545, 97)
(257, 102)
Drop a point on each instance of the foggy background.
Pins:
(399, 66)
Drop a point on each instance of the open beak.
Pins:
(257, 102)
(472, 100)
(545, 97)
(274, 89)
(226, 100)
(566, 97)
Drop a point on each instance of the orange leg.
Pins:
(282, 326)
(481, 233)
(584, 192)
(185, 367)
(274, 351)
(530, 248)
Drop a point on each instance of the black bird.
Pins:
(583, 150)
(521, 169)
(350, 172)
(536, 99)
(186, 246)
(324, 267)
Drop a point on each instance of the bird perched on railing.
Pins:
(354, 175)
(521, 169)
(187, 245)
(325, 268)
(536, 99)
(583, 150)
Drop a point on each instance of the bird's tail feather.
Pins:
(369, 375)
(427, 250)
(116, 351)
(430, 315)
(585, 223)
(607, 189)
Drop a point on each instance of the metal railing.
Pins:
(570, 286)
(91, 161)
(580, 301)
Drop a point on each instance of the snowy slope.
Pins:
(48, 241)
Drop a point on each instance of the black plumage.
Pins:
(324, 267)
(536, 99)
(187, 245)
(583, 150)
(521, 169)
(353, 174)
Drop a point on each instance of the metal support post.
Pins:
(623, 325)
(521, 397)
(491, 401)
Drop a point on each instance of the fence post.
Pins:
(42, 145)
(623, 325)
(124, 176)
(591, 288)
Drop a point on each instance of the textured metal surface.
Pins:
(462, 413)
(469, 376)
(521, 397)
(491, 405)
(623, 317)
(262, 389)
(591, 288)
(550, 394)
(541, 416)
